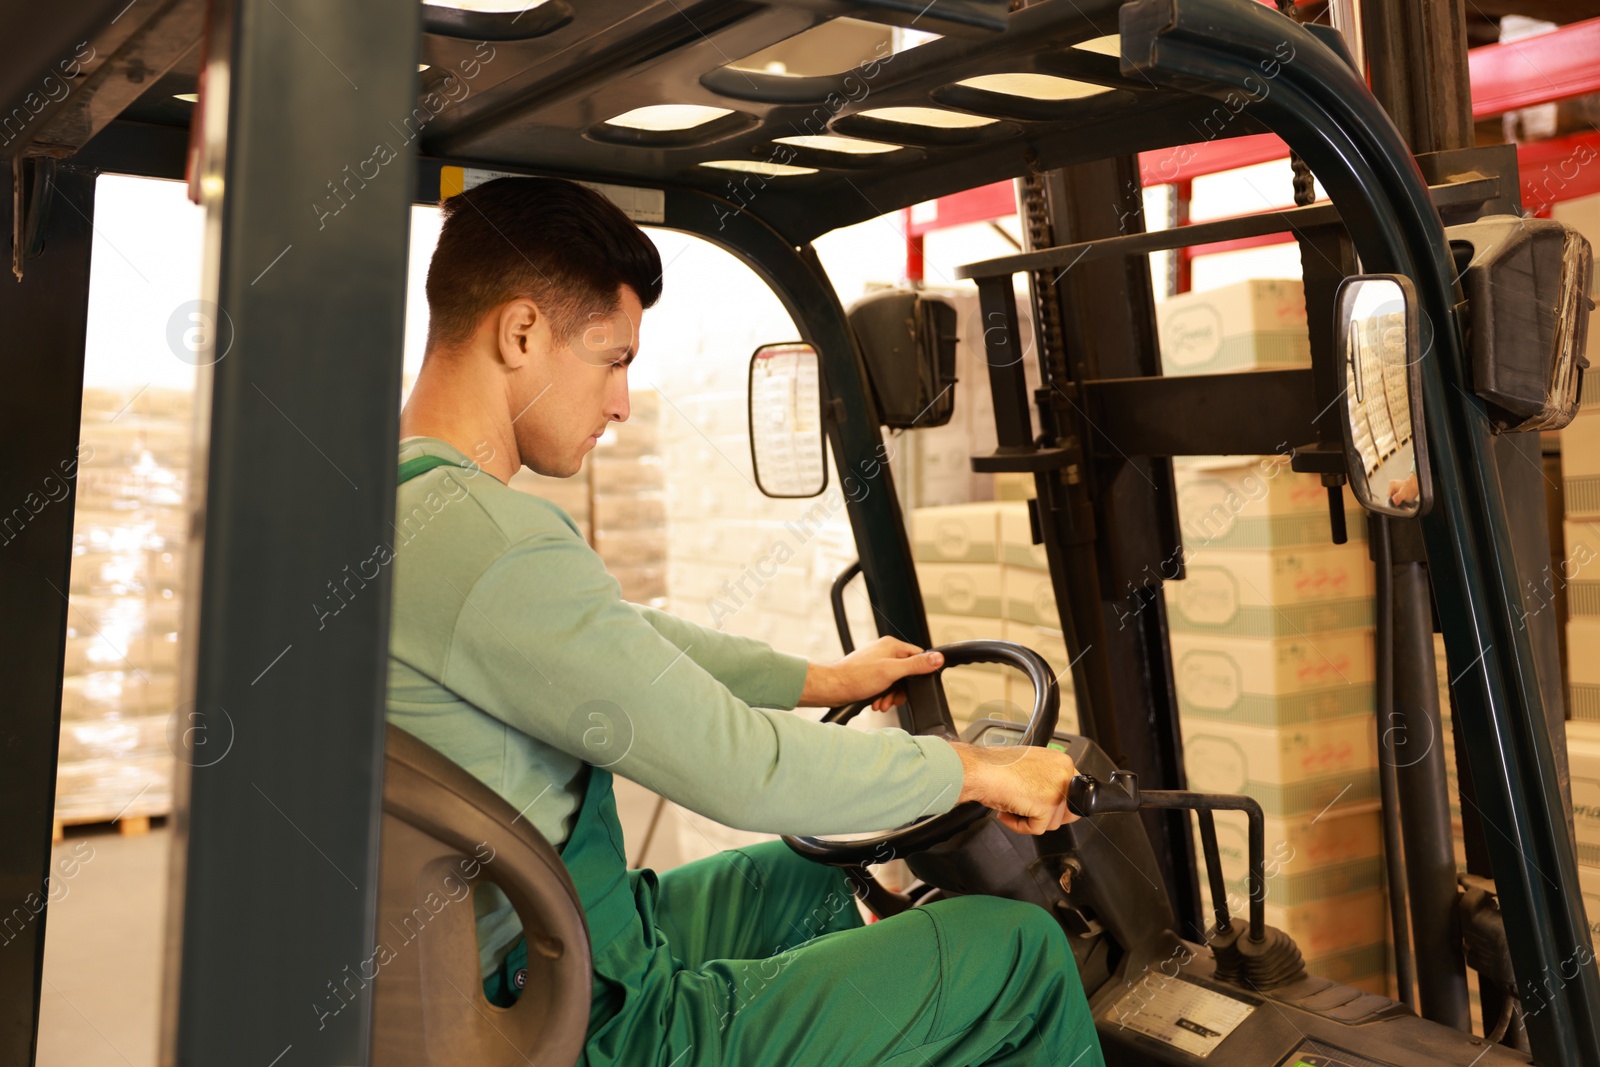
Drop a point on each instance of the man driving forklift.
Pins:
(513, 654)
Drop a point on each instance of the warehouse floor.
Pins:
(102, 966)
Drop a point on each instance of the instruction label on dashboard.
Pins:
(1179, 1013)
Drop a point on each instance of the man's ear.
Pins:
(522, 332)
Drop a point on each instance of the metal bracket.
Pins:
(1032, 461)
(32, 190)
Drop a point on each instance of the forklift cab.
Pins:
(313, 134)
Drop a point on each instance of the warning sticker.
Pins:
(1179, 1013)
(639, 204)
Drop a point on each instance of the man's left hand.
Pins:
(870, 670)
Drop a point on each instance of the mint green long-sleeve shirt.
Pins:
(512, 653)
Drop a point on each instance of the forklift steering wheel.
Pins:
(859, 850)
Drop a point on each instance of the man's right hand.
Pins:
(1025, 785)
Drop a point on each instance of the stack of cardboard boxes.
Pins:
(1580, 473)
(119, 713)
(628, 506)
(1272, 653)
(983, 577)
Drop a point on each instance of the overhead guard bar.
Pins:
(1448, 194)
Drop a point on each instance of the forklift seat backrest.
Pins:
(444, 831)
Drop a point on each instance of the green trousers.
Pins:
(770, 965)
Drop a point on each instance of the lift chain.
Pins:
(1049, 336)
(1305, 186)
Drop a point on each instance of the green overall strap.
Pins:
(420, 464)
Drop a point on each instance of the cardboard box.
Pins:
(1280, 681)
(1579, 571)
(1355, 966)
(1048, 641)
(956, 533)
(961, 589)
(1580, 466)
(1297, 770)
(1334, 926)
(1260, 323)
(1324, 930)
(978, 694)
(1223, 503)
(948, 629)
(1308, 858)
(1016, 538)
(1030, 597)
(1583, 668)
(1013, 486)
(1018, 705)
(1274, 592)
(1589, 886)
(1583, 757)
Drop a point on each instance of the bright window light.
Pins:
(1106, 46)
(662, 117)
(758, 166)
(928, 116)
(1035, 86)
(854, 146)
(187, 98)
(497, 7)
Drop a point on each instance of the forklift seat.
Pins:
(443, 832)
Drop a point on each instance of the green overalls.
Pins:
(758, 958)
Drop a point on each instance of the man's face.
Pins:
(564, 402)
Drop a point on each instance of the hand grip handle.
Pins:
(1087, 795)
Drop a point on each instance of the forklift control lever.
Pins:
(1087, 795)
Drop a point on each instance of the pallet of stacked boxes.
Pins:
(1580, 471)
(1273, 660)
(1580, 566)
(739, 561)
(1583, 756)
(119, 713)
(1030, 608)
(1447, 741)
(983, 577)
(1249, 325)
(956, 549)
(629, 510)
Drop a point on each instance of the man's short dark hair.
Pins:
(560, 244)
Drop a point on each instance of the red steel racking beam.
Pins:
(1535, 70)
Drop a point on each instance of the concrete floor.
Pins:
(102, 961)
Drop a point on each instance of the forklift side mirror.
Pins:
(1376, 332)
(787, 446)
(907, 340)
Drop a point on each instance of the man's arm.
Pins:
(544, 643)
(758, 675)
(752, 670)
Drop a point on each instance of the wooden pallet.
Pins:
(129, 826)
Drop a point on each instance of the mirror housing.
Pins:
(907, 341)
(1527, 287)
(788, 446)
(1376, 332)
